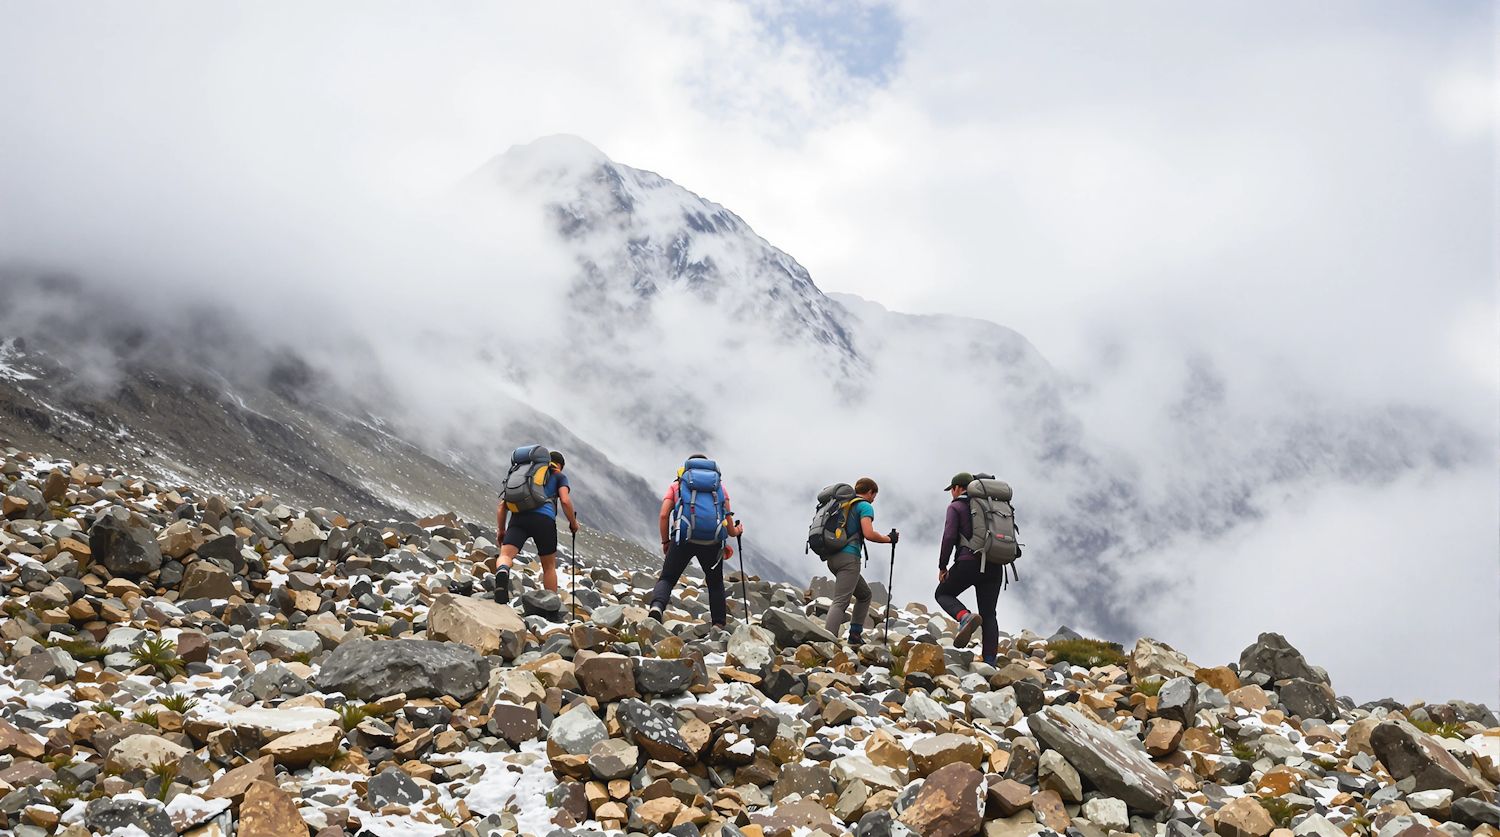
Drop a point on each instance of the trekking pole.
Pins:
(890, 595)
(573, 588)
(744, 596)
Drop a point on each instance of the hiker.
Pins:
(986, 577)
(859, 524)
(534, 488)
(696, 523)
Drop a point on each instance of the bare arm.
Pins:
(867, 524)
(500, 514)
(565, 500)
(666, 514)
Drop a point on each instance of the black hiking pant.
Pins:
(711, 558)
(963, 574)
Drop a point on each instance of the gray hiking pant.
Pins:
(847, 583)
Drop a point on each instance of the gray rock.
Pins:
(543, 603)
(657, 676)
(1105, 758)
(613, 758)
(126, 545)
(273, 681)
(920, 707)
(1055, 774)
(751, 647)
(1474, 812)
(105, 815)
(652, 733)
(1409, 753)
(803, 780)
(303, 538)
(49, 662)
(609, 616)
(285, 645)
(1273, 656)
(997, 706)
(1307, 699)
(370, 669)
(392, 787)
(1178, 700)
(792, 629)
(577, 731)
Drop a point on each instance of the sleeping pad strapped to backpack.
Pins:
(526, 482)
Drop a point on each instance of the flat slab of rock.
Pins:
(300, 748)
(1104, 757)
(792, 629)
(142, 752)
(371, 669)
(476, 623)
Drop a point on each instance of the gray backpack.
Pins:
(830, 531)
(526, 482)
(994, 525)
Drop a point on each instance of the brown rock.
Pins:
(15, 741)
(1222, 678)
(143, 752)
(234, 783)
(1409, 753)
(948, 803)
(805, 814)
(1008, 796)
(1243, 817)
(1357, 739)
(179, 539)
(1011, 673)
(659, 813)
(515, 723)
(607, 677)
(1200, 740)
(1049, 810)
(1152, 657)
(206, 580)
(930, 754)
(192, 647)
(302, 747)
(926, 657)
(1249, 698)
(476, 623)
(1163, 737)
(883, 749)
(269, 811)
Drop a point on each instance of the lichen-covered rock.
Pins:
(370, 669)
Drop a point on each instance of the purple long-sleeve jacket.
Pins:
(957, 526)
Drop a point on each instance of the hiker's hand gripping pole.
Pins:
(890, 593)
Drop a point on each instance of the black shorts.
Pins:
(540, 528)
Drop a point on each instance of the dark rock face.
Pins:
(1407, 752)
(1178, 700)
(656, 676)
(106, 815)
(124, 547)
(392, 787)
(1104, 758)
(803, 780)
(1307, 699)
(1273, 655)
(370, 669)
(653, 733)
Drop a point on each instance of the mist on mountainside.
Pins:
(559, 297)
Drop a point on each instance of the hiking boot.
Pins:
(655, 613)
(856, 638)
(966, 629)
(502, 588)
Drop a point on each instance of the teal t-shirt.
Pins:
(861, 509)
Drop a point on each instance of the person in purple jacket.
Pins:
(958, 528)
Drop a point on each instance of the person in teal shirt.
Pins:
(845, 564)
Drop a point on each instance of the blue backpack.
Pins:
(699, 515)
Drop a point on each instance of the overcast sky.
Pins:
(1302, 194)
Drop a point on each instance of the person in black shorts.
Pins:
(540, 526)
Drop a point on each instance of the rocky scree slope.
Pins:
(176, 663)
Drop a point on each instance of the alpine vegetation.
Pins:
(183, 659)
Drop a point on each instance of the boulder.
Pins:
(577, 731)
(179, 539)
(300, 748)
(920, 707)
(370, 669)
(927, 658)
(785, 819)
(303, 538)
(657, 676)
(392, 787)
(948, 805)
(1104, 757)
(543, 603)
(513, 723)
(652, 733)
(477, 623)
(1272, 655)
(1107, 813)
(802, 780)
(269, 811)
(750, 646)
(1011, 673)
(1243, 817)
(206, 580)
(1056, 775)
(1151, 657)
(930, 754)
(1178, 700)
(607, 677)
(1309, 699)
(124, 544)
(1409, 753)
(143, 752)
(791, 629)
(613, 758)
(104, 816)
(999, 707)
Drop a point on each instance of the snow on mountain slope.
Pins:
(688, 332)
